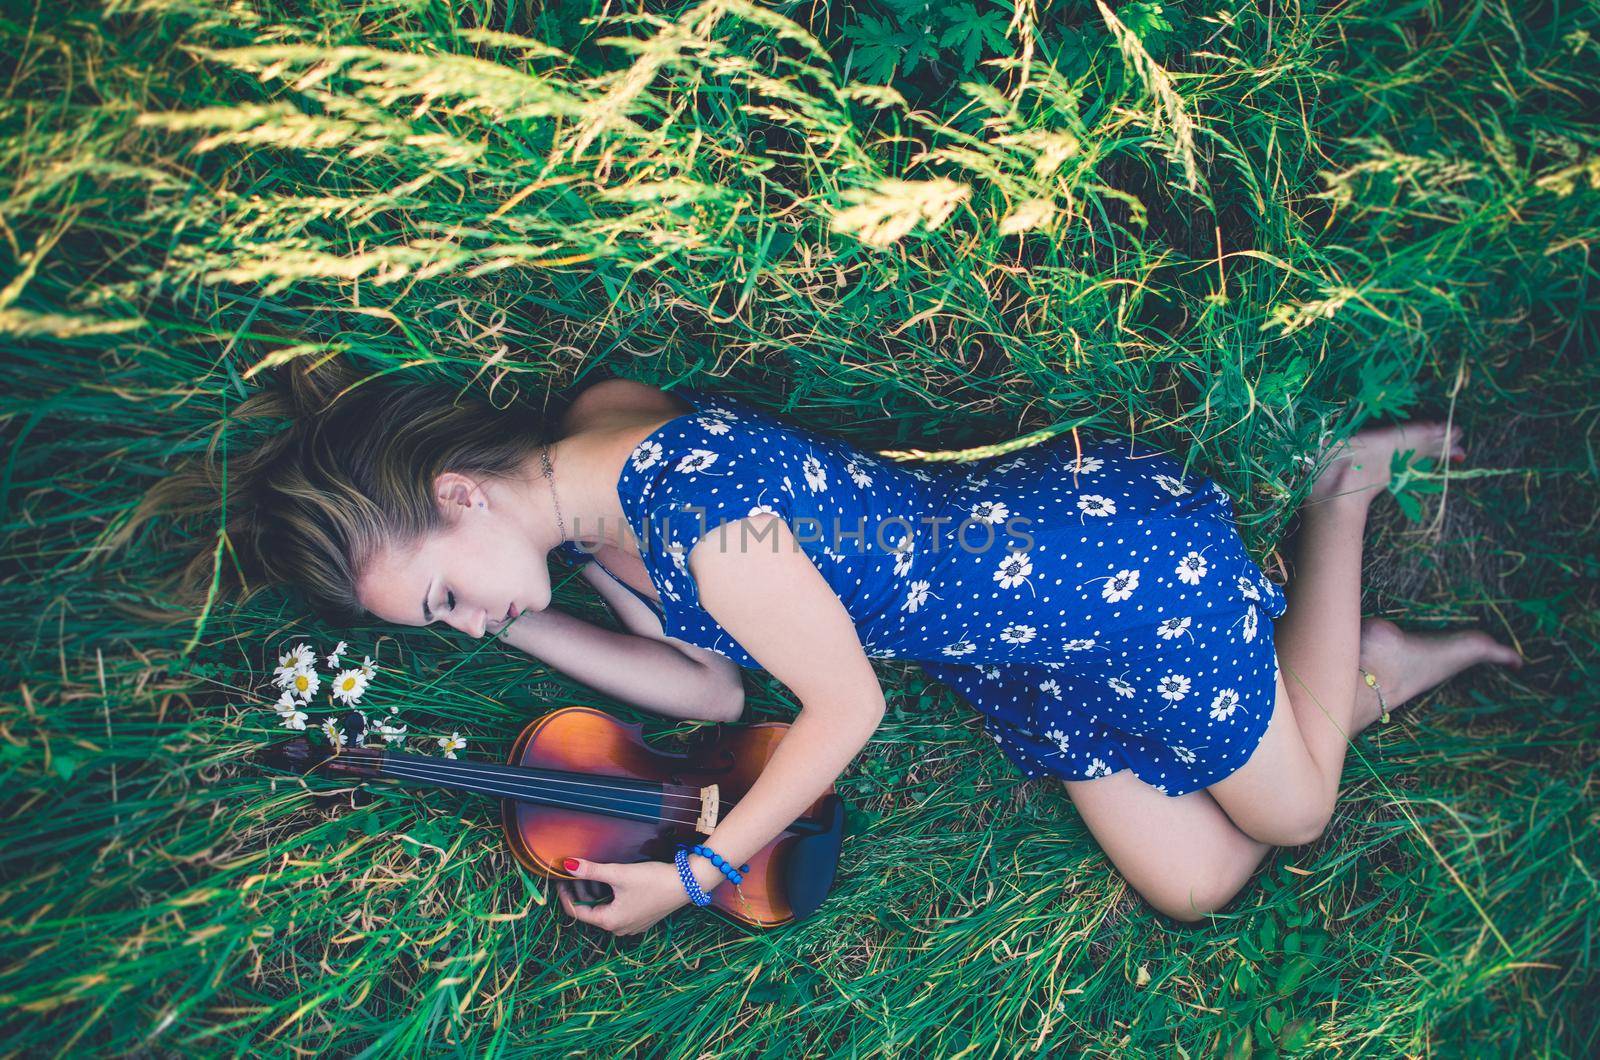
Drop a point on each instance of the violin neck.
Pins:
(557, 788)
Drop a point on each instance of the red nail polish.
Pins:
(570, 864)
(1456, 458)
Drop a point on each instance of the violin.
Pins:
(580, 783)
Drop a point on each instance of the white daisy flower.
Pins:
(1172, 485)
(990, 512)
(1079, 644)
(1014, 570)
(1050, 688)
(1098, 768)
(917, 472)
(296, 659)
(293, 719)
(959, 648)
(763, 509)
(1094, 504)
(916, 596)
(1009, 465)
(349, 685)
(1051, 665)
(369, 667)
(1086, 465)
(451, 744)
(1250, 624)
(1017, 633)
(333, 658)
(1173, 687)
(286, 702)
(1121, 687)
(1184, 755)
(304, 683)
(391, 733)
(1057, 737)
(858, 476)
(696, 460)
(975, 484)
(1191, 568)
(1224, 705)
(334, 734)
(1247, 588)
(816, 474)
(645, 455)
(1171, 627)
(1120, 586)
(991, 672)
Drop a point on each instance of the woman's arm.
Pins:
(786, 615)
(643, 667)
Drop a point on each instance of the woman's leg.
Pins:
(1285, 793)
(1183, 855)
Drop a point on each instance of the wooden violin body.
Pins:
(580, 783)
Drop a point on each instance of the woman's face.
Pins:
(469, 573)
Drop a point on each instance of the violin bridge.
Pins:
(710, 804)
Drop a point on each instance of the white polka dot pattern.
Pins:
(1103, 614)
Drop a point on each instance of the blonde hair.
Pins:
(353, 473)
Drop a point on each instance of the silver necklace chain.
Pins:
(561, 524)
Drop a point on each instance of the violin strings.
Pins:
(526, 795)
(518, 774)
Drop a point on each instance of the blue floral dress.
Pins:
(1096, 607)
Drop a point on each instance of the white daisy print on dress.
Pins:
(902, 555)
(1121, 687)
(975, 484)
(1098, 768)
(1050, 688)
(1119, 586)
(858, 476)
(645, 455)
(1172, 485)
(1250, 624)
(1247, 588)
(1017, 633)
(991, 672)
(1172, 627)
(1191, 568)
(1173, 687)
(696, 460)
(1184, 755)
(713, 424)
(916, 596)
(1059, 738)
(1078, 644)
(959, 648)
(1094, 504)
(1086, 465)
(816, 474)
(763, 509)
(1223, 706)
(990, 512)
(1014, 570)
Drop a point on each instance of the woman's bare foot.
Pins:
(1407, 664)
(1361, 464)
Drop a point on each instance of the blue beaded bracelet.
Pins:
(736, 875)
(690, 884)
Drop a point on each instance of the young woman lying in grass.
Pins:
(1094, 604)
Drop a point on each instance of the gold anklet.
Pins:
(1372, 683)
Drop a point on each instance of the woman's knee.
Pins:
(1196, 896)
(1290, 824)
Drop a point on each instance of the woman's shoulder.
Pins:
(611, 401)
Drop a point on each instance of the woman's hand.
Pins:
(642, 893)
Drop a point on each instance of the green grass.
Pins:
(1263, 229)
